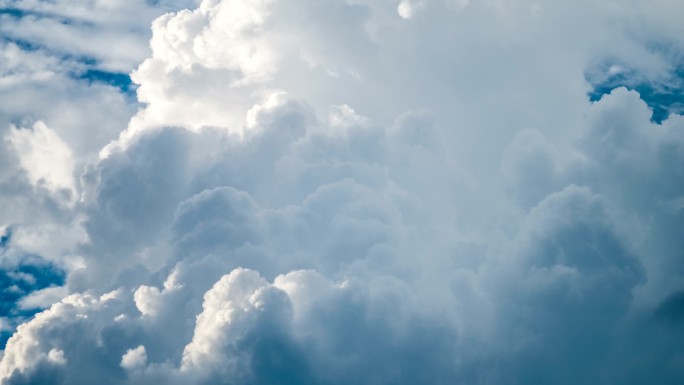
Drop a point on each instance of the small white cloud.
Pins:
(615, 70)
(134, 358)
(5, 325)
(147, 300)
(343, 115)
(44, 298)
(56, 356)
(405, 9)
(45, 157)
(26, 277)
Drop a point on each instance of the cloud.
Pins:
(43, 298)
(134, 358)
(79, 28)
(366, 192)
(46, 158)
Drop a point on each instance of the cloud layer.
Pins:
(345, 192)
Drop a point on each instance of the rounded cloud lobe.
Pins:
(306, 195)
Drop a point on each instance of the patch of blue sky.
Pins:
(663, 101)
(87, 67)
(14, 12)
(664, 96)
(19, 13)
(31, 275)
(32, 46)
(23, 44)
(122, 81)
(15, 283)
(5, 239)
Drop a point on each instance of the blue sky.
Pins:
(341, 192)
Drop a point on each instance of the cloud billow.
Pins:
(396, 193)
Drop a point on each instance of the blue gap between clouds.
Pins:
(662, 98)
(92, 74)
(115, 79)
(32, 274)
(4, 240)
(120, 80)
(19, 13)
(14, 12)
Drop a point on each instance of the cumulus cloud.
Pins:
(44, 298)
(352, 192)
(45, 157)
(134, 358)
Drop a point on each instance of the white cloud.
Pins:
(45, 157)
(406, 9)
(56, 356)
(5, 325)
(114, 33)
(233, 306)
(334, 194)
(44, 298)
(134, 358)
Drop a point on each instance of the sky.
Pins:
(256, 192)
